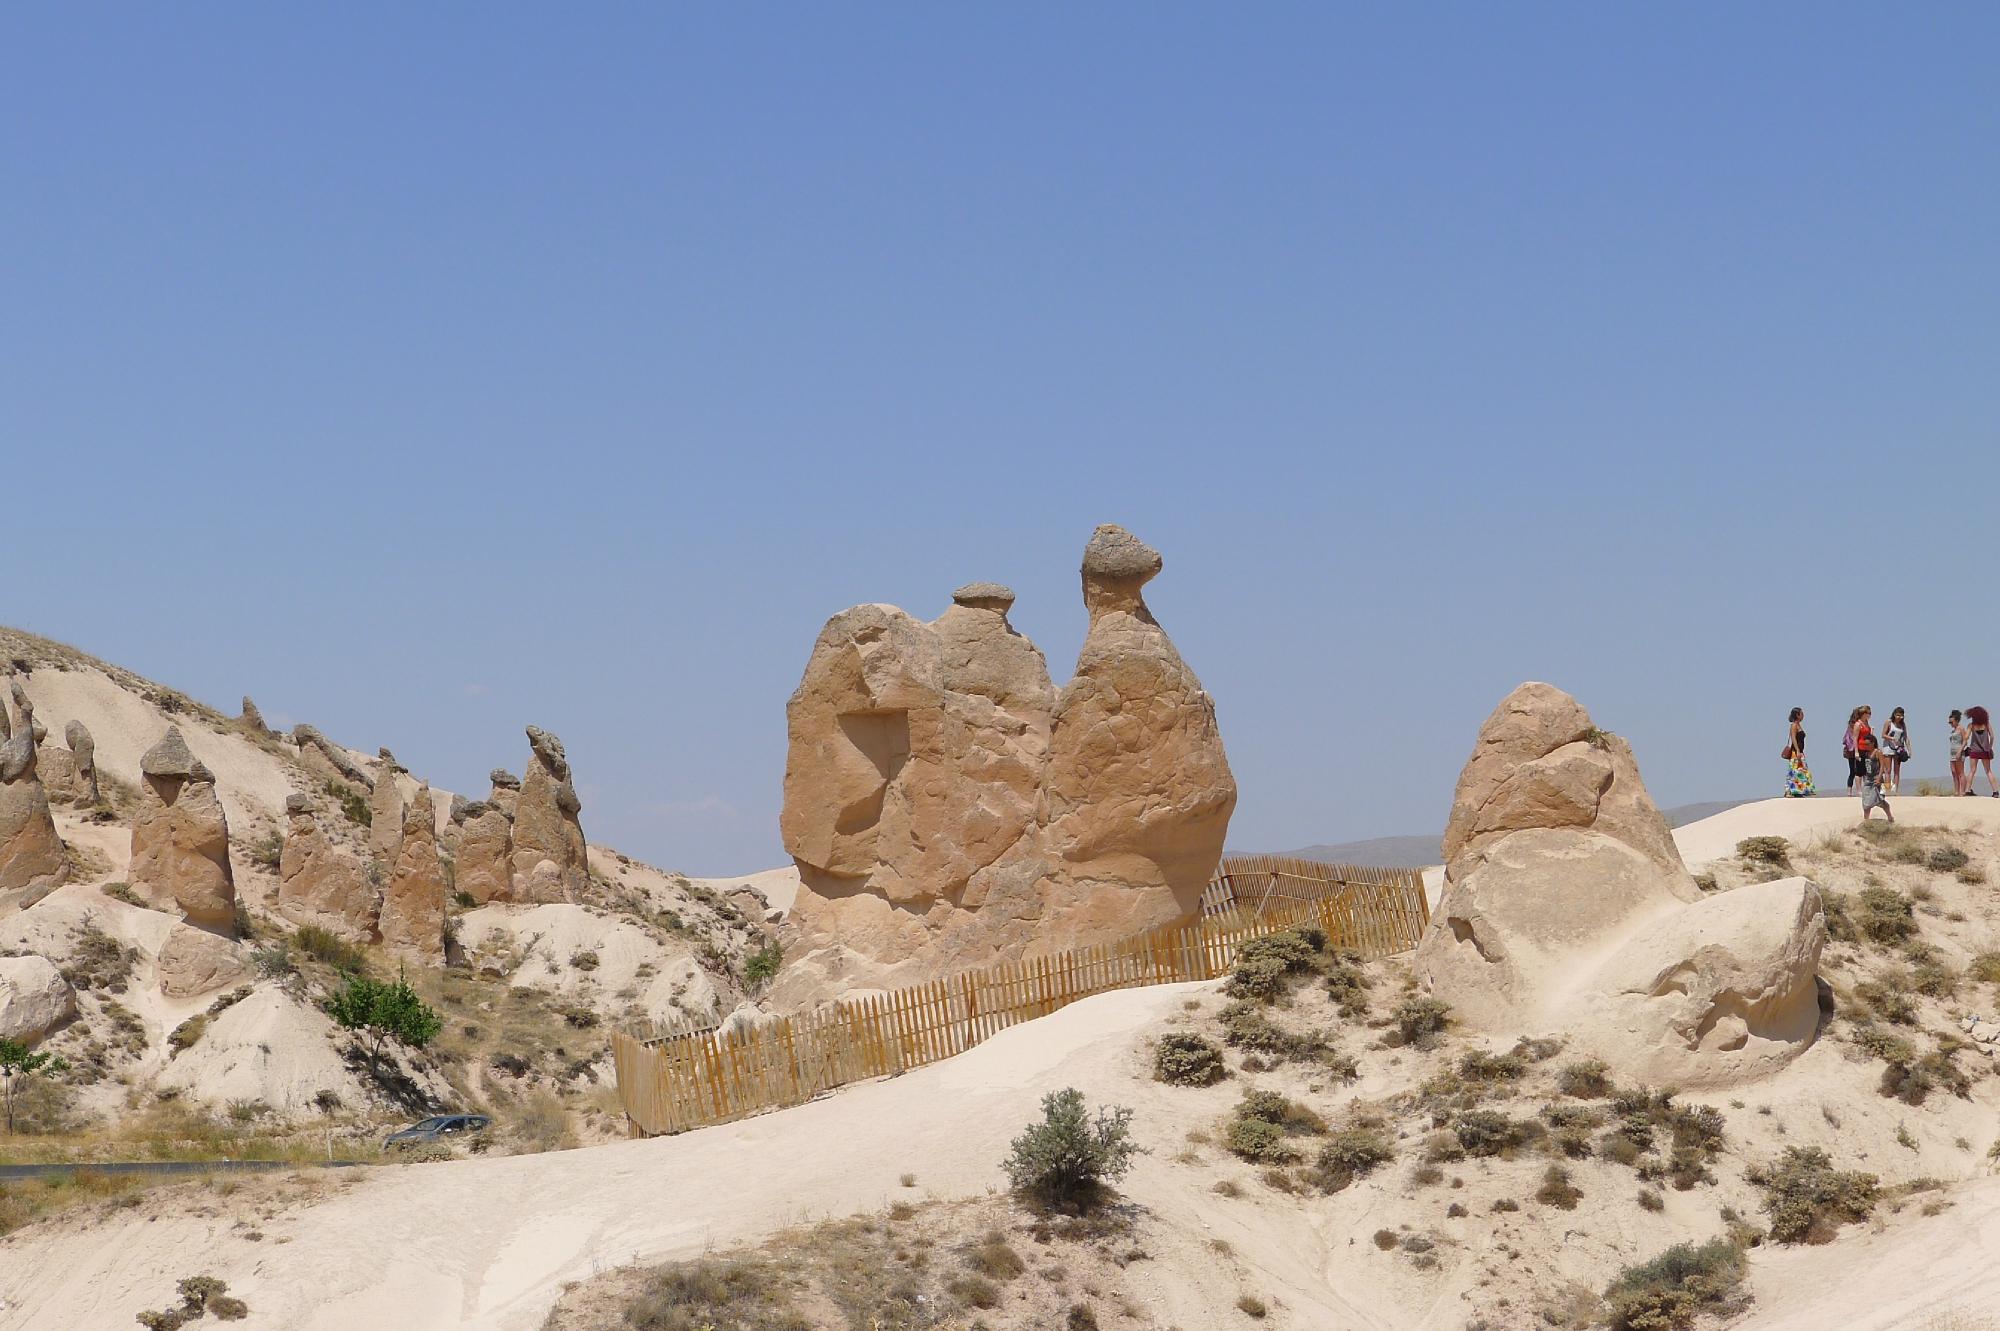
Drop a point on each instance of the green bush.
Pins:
(1586, 1079)
(1069, 1157)
(1263, 965)
(1947, 859)
(761, 966)
(1347, 984)
(1257, 1140)
(1186, 1059)
(1486, 1132)
(323, 945)
(1985, 968)
(1420, 1019)
(1885, 915)
(352, 802)
(188, 1032)
(1271, 1107)
(1808, 1199)
(1245, 1025)
(1350, 1154)
(1669, 1291)
(1771, 850)
(265, 851)
(1480, 1066)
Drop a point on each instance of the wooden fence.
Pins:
(1261, 883)
(687, 1080)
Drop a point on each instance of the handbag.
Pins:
(1786, 753)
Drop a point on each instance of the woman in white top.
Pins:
(1895, 751)
(1955, 742)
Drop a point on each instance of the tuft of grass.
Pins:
(329, 948)
(1252, 1307)
(1884, 915)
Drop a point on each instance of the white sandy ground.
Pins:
(488, 1243)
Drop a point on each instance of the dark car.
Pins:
(438, 1128)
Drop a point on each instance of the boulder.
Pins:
(547, 829)
(321, 884)
(947, 807)
(1722, 992)
(412, 920)
(34, 998)
(195, 962)
(32, 859)
(1566, 909)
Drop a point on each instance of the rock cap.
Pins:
(1116, 555)
(985, 595)
(171, 757)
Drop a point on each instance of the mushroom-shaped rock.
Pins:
(180, 838)
(385, 811)
(485, 865)
(1139, 790)
(547, 830)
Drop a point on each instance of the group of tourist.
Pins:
(1875, 763)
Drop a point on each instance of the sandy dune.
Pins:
(488, 1243)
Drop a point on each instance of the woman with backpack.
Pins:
(1955, 747)
(1979, 749)
(1895, 751)
(1798, 777)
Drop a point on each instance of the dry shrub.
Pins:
(1808, 1199)
(1671, 1290)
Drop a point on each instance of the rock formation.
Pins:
(548, 848)
(506, 789)
(319, 883)
(385, 811)
(328, 760)
(485, 854)
(252, 719)
(71, 773)
(180, 838)
(1566, 908)
(194, 962)
(34, 998)
(947, 807)
(412, 920)
(1139, 791)
(32, 861)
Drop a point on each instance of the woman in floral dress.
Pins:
(1798, 777)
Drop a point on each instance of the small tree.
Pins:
(760, 966)
(379, 1011)
(1068, 1156)
(17, 1064)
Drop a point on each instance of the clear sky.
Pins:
(427, 371)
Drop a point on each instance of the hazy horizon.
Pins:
(428, 374)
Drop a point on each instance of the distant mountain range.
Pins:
(1416, 852)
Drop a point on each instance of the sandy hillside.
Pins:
(492, 1243)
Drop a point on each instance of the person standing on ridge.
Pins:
(1847, 749)
(1798, 777)
(1955, 747)
(1871, 776)
(1979, 749)
(1895, 751)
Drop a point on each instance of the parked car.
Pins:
(437, 1128)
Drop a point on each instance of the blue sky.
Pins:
(427, 373)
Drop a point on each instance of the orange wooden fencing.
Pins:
(673, 1082)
